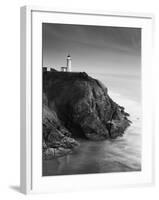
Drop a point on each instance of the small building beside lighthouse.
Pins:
(68, 67)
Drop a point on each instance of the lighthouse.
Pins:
(68, 63)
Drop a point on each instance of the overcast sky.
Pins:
(95, 49)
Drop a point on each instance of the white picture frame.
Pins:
(31, 106)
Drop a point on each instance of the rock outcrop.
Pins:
(77, 105)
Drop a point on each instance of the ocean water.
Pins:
(122, 154)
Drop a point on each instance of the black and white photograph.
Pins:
(91, 99)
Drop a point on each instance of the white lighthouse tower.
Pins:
(68, 64)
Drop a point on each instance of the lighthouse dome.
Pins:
(68, 56)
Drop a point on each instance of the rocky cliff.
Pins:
(76, 105)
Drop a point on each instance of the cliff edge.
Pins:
(76, 105)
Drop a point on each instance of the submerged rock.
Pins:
(77, 105)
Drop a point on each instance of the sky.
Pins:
(94, 49)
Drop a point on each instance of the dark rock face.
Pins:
(56, 138)
(76, 105)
